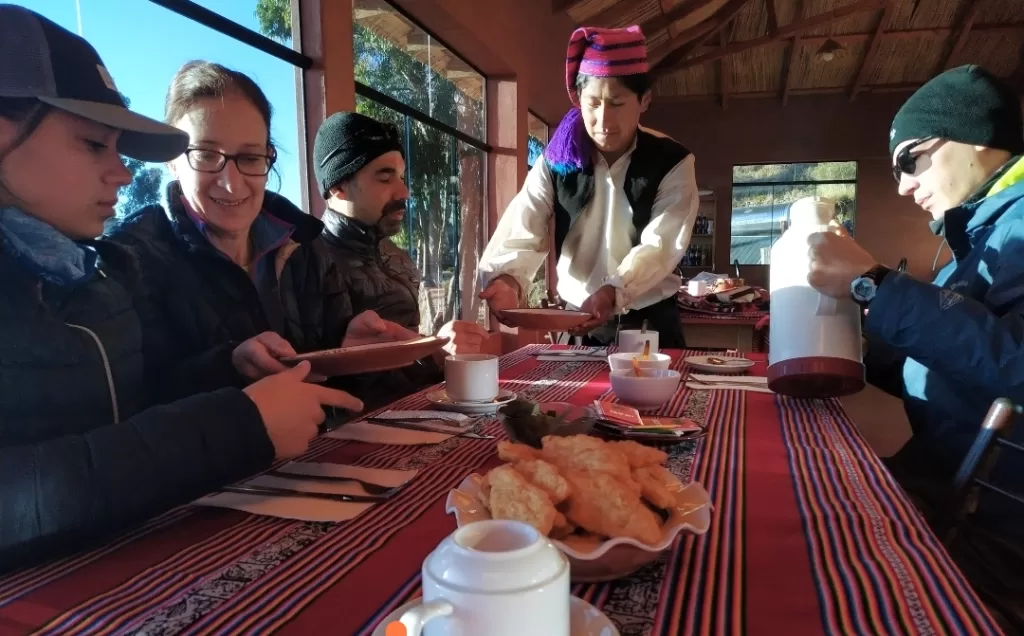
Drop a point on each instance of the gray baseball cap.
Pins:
(42, 60)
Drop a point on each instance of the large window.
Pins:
(537, 140)
(762, 194)
(144, 44)
(406, 77)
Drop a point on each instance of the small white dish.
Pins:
(624, 361)
(649, 391)
(586, 620)
(439, 398)
(732, 365)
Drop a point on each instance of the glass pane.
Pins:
(443, 232)
(762, 173)
(272, 18)
(758, 217)
(825, 171)
(537, 140)
(120, 29)
(399, 59)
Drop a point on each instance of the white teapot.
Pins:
(815, 348)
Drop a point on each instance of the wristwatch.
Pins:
(864, 287)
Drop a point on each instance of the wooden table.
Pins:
(809, 535)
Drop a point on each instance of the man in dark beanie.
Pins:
(360, 168)
(958, 341)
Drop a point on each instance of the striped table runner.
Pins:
(809, 536)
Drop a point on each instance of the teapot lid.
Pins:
(812, 211)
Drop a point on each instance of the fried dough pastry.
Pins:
(604, 504)
(653, 487)
(639, 455)
(513, 497)
(512, 452)
(545, 476)
(587, 454)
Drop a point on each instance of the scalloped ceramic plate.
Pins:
(369, 357)
(545, 319)
(612, 559)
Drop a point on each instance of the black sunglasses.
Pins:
(906, 163)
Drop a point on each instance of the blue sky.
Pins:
(143, 45)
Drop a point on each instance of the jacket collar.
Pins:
(44, 251)
(348, 230)
(278, 221)
(960, 225)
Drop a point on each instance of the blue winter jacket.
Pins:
(963, 334)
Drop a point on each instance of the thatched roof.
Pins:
(723, 49)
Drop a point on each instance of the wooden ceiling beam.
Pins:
(665, 19)
(786, 32)
(787, 65)
(966, 22)
(561, 6)
(683, 44)
(615, 16)
(773, 20)
(870, 54)
(724, 71)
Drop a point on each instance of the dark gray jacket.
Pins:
(81, 455)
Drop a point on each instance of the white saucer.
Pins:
(584, 619)
(441, 400)
(735, 365)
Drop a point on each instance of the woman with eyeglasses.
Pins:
(224, 259)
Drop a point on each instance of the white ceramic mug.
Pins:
(471, 377)
(493, 578)
(631, 340)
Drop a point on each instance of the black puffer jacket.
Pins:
(79, 455)
(209, 304)
(379, 277)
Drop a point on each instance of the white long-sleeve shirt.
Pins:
(598, 249)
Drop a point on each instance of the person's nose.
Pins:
(230, 178)
(119, 175)
(908, 184)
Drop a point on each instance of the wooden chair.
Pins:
(971, 479)
(973, 475)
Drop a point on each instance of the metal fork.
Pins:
(370, 487)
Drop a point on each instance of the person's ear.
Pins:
(340, 192)
(645, 102)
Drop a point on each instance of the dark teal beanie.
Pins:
(965, 104)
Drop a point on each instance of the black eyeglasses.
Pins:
(906, 163)
(249, 163)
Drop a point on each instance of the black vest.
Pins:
(652, 159)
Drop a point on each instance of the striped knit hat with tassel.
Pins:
(597, 53)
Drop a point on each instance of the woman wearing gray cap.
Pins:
(82, 452)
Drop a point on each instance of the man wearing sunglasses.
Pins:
(360, 167)
(956, 147)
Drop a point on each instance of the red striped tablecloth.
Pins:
(810, 535)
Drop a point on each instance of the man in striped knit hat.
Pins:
(624, 200)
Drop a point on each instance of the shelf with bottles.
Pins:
(703, 226)
(698, 256)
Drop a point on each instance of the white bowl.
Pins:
(624, 361)
(649, 391)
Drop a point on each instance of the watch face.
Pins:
(863, 289)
